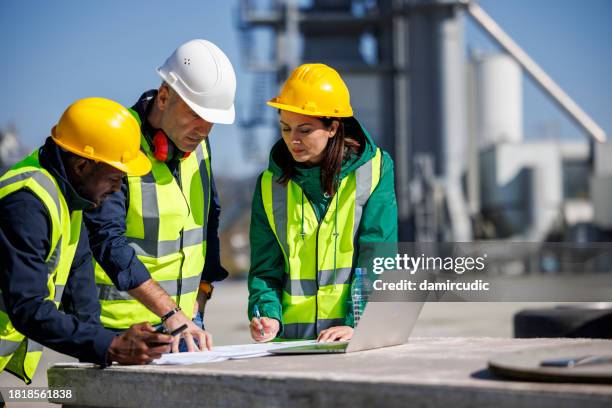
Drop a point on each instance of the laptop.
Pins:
(383, 324)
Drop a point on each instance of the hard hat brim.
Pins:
(221, 116)
(140, 166)
(296, 109)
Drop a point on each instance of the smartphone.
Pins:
(162, 329)
(179, 330)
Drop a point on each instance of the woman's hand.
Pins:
(269, 326)
(336, 333)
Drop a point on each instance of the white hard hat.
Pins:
(204, 78)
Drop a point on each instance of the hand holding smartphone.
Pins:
(173, 333)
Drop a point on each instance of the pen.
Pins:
(577, 361)
(258, 317)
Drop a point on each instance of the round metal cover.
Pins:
(527, 364)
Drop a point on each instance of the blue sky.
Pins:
(55, 52)
(570, 40)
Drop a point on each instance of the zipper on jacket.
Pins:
(317, 281)
(319, 222)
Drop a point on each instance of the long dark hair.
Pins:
(339, 147)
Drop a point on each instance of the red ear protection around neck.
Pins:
(163, 150)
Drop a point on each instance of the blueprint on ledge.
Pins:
(223, 353)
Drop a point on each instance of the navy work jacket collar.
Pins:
(142, 107)
(51, 159)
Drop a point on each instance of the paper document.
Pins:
(256, 349)
(189, 358)
(222, 353)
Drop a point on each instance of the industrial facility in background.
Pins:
(11, 151)
(452, 120)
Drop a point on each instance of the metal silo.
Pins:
(499, 99)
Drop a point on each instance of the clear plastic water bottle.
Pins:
(360, 291)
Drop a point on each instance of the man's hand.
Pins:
(204, 339)
(139, 345)
(336, 333)
(150, 294)
(270, 328)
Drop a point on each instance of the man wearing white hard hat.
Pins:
(155, 241)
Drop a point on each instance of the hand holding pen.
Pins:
(258, 317)
(263, 328)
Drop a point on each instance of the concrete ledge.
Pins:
(427, 372)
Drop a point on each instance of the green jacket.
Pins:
(378, 223)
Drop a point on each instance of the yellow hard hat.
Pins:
(314, 90)
(105, 131)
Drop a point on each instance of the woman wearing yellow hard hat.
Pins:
(327, 192)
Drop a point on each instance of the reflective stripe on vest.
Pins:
(110, 292)
(18, 354)
(166, 226)
(318, 256)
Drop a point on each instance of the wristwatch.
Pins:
(206, 288)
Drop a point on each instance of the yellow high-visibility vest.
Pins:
(319, 256)
(166, 225)
(18, 354)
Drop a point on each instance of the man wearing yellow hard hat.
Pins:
(328, 193)
(44, 250)
(155, 241)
